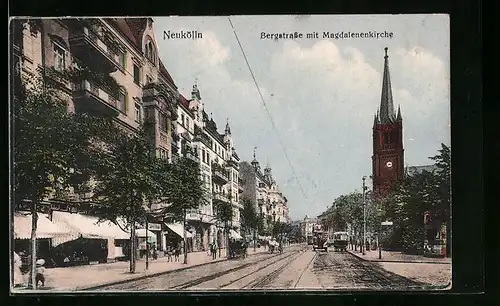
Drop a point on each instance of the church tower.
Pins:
(388, 152)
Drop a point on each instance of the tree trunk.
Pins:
(147, 245)
(254, 240)
(34, 220)
(226, 230)
(132, 247)
(185, 239)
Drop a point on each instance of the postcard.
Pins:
(240, 153)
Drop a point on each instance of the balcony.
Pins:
(221, 197)
(203, 138)
(90, 48)
(92, 98)
(219, 174)
(192, 156)
(233, 163)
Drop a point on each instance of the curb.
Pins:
(399, 261)
(93, 287)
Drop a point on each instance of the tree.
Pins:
(280, 229)
(126, 179)
(53, 149)
(224, 214)
(183, 188)
(414, 195)
(249, 219)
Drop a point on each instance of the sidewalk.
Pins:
(436, 272)
(89, 276)
(389, 256)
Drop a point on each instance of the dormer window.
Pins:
(150, 51)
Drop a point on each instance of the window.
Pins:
(137, 75)
(149, 79)
(187, 123)
(203, 155)
(138, 113)
(182, 119)
(122, 102)
(59, 57)
(123, 57)
(163, 123)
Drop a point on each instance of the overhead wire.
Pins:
(267, 109)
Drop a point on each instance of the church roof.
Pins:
(413, 170)
(386, 113)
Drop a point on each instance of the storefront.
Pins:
(46, 230)
(87, 240)
(174, 235)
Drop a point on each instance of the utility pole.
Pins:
(364, 217)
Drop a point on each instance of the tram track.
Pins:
(272, 274)
(267, 279)
(304, 270)
(207, 278)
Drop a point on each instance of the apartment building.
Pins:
(128, 81)
(198, 138)
(261, 188)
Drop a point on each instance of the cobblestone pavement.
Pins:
(251, 272)
(297, 268)
(435, 275)
(342, 270)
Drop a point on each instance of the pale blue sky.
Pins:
(322, 94)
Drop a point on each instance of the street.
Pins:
(298, 267)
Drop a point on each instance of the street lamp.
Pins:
(363, 246)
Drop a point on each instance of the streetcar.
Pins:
(320, 241)
(340, 241)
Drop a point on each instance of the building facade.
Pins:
(307, 226)
(197, 137)
(263, 191)
(120, 75)
(388, 152)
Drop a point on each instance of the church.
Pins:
(388, 162)
(388, 151)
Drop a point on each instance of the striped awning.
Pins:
(45, 228)
(80, 225)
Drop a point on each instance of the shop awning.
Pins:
(178, 229)
(235, 235)
(141, 233)
(87, 226)
(45, 228)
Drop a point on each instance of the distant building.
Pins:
(307, 226)
(262, 190)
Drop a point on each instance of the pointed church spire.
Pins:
(228, 129)
(387, 114)
(399, 117)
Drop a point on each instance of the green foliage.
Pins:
(53, 149)
(281, 228)
(182, 188)
(249, 217)
(127, 176)
(223, 210)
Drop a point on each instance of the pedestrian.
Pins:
(40, 272)
(155, 252)
(177, 253)
(169, 253)
(214, 250)
(18, 275)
